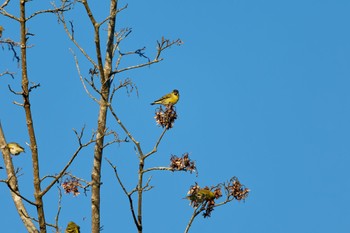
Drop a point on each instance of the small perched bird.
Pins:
(202, 195)
(168, 99)
(1, 30)
(15, 148)
(72, 228)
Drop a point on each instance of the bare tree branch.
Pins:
(120, 36)
(75, 154)
(137, 144)
(58, 208)
(13, 182)
(56, 10)
(147, 187)
(17, 193)
(81, 77)
(126, 193)
(155, 148)
(136, 66)
(114, 13)
(159, 169)
(5, 13)
(4, 4)
(194, 215)
(70, 34)
(8, 73)
(11, 45)
(14, 92)
(161, 46)
(36, 220)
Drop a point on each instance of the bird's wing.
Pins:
(164, 97)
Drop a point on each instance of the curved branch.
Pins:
(17, 192)
(97, 39)
(136, 66)
(194, 215)
(5, 13)
(155, 148)
(81, 77)
(4, 4)
(159, 169)
(13, 183)
(62, 172)
(56, 10)
(126, 193)
(137, 144)
(70, 35)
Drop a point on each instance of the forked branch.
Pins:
(128, 194)
(75, 154)
(12, 182)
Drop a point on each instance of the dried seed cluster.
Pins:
(71, 186)
(237, 190)
(205, 197)
(183, 163)
(167, 117)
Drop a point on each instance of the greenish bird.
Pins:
(15, 148)
(1, 30)
(202, 195)
(168, 99)
(72, 228)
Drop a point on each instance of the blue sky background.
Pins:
(265, 97)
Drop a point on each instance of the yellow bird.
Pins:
(72, 228)
(168, 99)
(1, 30)
(15, 148)
(202, 195)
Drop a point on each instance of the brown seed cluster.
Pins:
(183, 163)
(71, 186)
(205, 197)
(167, 117)
(237, 190)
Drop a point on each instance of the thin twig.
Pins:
(136, 66)
(155, 148)
(81, 77)
(5, 13)
(70, 35)
(17, 193)
(137, 144)
(126, 193)
(56, 10)
(147, 187)
(14, 92)
(36, 220)
(8, 73)
(159, 169)
(4, 4)
(113, 15)
(59, 208)
(62, 172)
(194, 215)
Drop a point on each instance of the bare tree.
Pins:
(12, 182)
(100, 86)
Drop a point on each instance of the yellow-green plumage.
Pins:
(169, 99)
(201, 195)
(15, 148)
(206, 194)
(72, 228)
(1, 30)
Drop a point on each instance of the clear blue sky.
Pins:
(265, 97)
